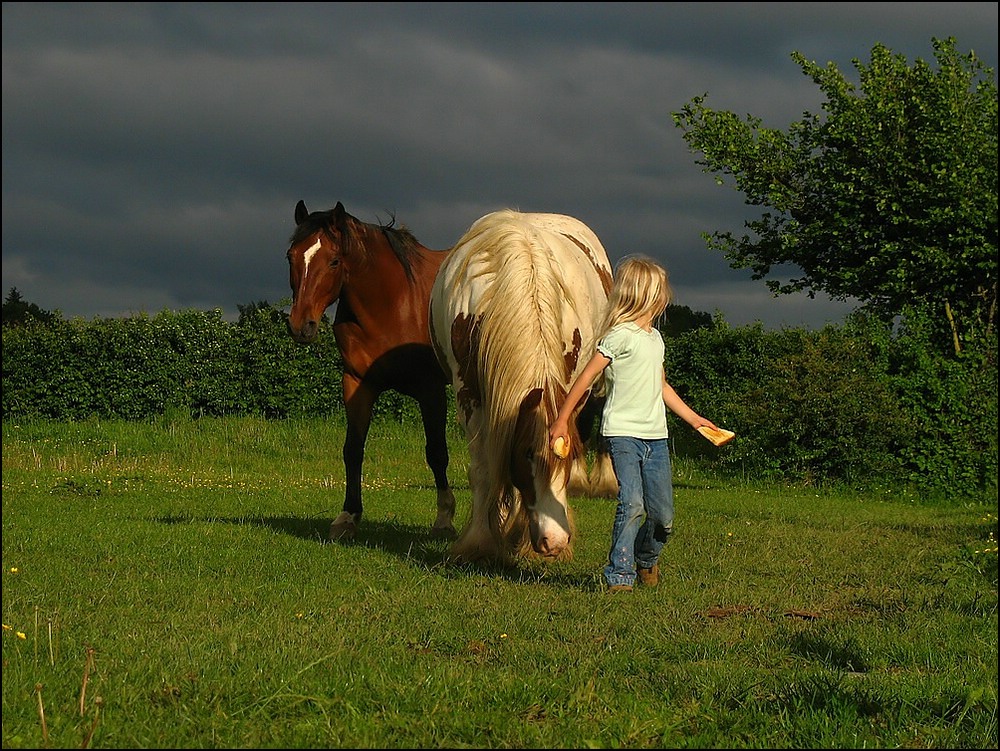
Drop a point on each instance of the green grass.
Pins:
(168, 584)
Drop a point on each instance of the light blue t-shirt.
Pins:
(633, 383)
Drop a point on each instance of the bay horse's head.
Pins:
(316, 268)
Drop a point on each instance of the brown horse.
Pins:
(381, 279)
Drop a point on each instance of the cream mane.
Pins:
(522, 309)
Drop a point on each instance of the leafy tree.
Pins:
(680, 318)
(249, 312)
(17, 312)
(891, 198)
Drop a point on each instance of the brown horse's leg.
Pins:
(434, 413)
(359, 399)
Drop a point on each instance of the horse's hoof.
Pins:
(342, 532)
(343, 528)
(444, 533)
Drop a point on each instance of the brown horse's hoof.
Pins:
(444, 533)
(343, 528)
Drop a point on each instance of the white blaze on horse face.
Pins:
(308, 257)
(549, 518)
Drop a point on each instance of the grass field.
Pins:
(168, 585)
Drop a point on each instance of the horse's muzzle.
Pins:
(548, 539)
(306, 333)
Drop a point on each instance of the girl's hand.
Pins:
(701, 422)
(560, 447)
(558, 430)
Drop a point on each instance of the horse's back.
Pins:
(571, 227)
(534, 284)
(558, 243)
(561, 225)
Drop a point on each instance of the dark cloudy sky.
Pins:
(153, 153)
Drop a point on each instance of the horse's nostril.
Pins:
(548, 547)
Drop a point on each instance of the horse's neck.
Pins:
(378, 290)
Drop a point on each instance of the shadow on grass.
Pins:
(408, 542)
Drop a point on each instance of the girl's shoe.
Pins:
(620, 588)
(649, 577)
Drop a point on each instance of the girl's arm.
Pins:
(594, 367)
(677, 405)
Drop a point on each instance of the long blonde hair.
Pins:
(641, 288)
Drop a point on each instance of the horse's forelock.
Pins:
(402, 242)
(315, 223)
(325, 222)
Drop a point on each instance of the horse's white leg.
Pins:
(478, 540)
(579, 482)
(603, 482)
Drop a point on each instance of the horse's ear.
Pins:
(338, 212)
(531, 401)
(301, 212)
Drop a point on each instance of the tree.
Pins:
(17, 312)
(250, 311)
(891, 198)
(678, 319)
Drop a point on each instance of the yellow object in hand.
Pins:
(561, 447)
(719, 437)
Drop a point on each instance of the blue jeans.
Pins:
(645, 515)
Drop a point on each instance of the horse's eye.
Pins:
(335, 263)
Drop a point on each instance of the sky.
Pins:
(153, 153)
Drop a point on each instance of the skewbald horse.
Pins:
(381, 278)
(514, 315)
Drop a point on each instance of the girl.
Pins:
(634, 423)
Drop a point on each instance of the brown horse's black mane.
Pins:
(404, 245)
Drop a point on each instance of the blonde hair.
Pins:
(641, 288)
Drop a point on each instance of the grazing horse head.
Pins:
(541, 482)
(514, 314)
(316, 267)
